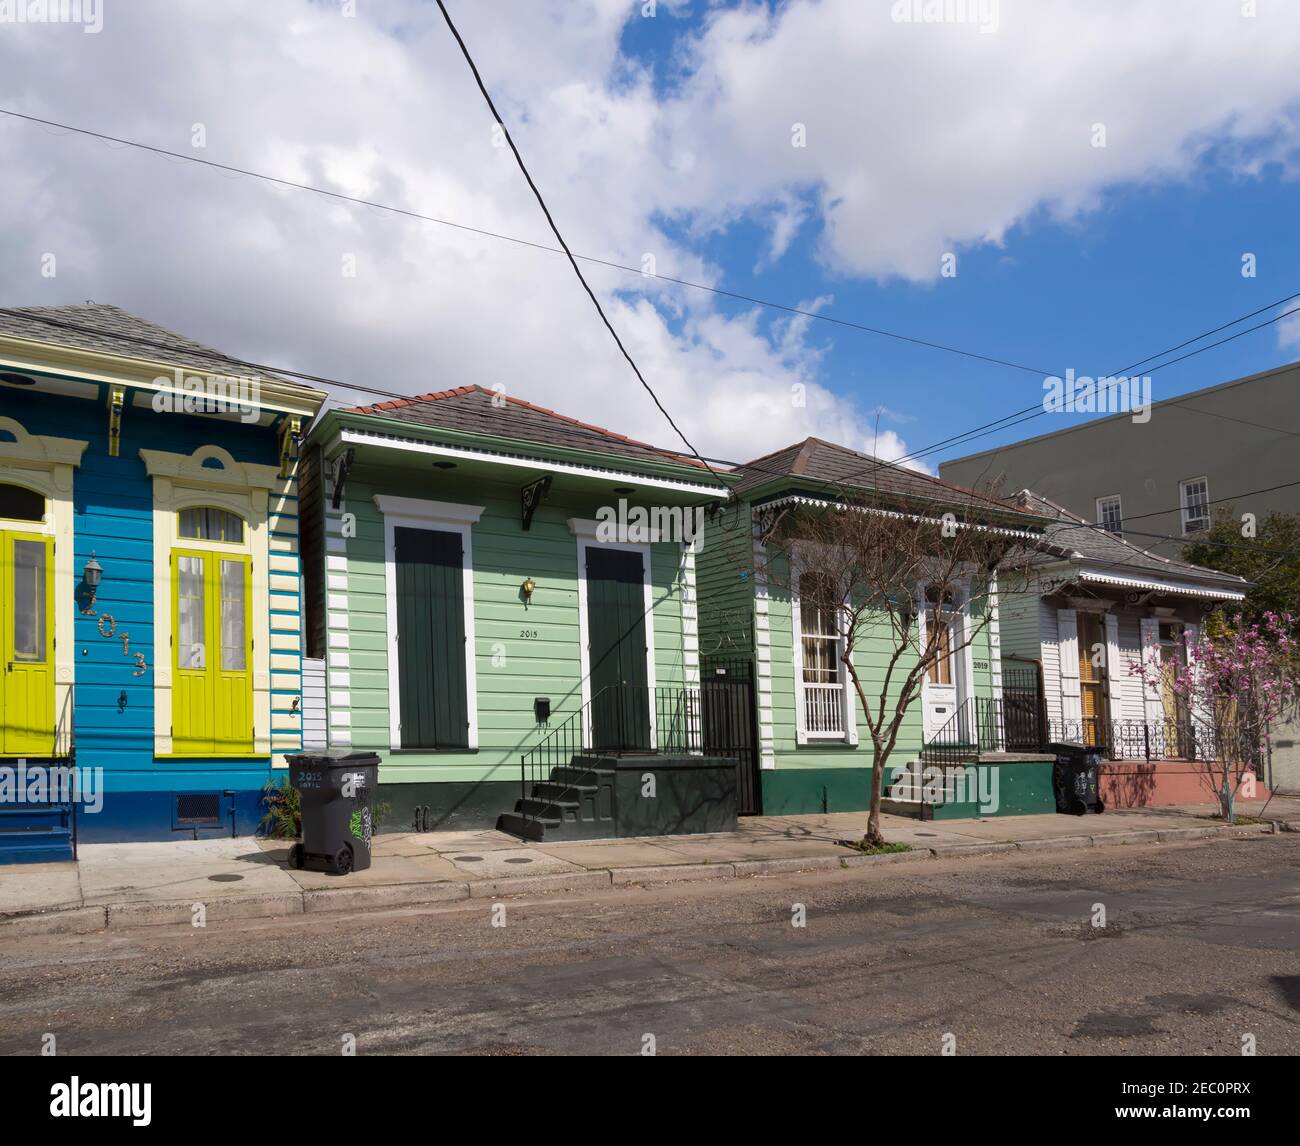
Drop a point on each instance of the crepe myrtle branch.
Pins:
(866, 570)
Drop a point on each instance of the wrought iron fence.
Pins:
(1189, 739)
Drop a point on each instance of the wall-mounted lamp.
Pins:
(91, 575)
(527, 589)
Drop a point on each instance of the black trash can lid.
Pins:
(333, 758)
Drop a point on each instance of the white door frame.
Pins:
(440, 517)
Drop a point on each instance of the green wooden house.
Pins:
(814, 752)
(485, 576)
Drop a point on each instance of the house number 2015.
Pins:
(108, 629)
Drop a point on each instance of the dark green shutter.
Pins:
(432, 689)
(616, 634)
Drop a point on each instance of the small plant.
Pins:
(283, 817)
(874, 849)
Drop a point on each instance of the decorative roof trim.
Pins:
(801, 499)
(1182, 588)
(523, 461)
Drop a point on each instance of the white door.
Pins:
(941, 691)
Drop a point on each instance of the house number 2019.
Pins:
(108, 628)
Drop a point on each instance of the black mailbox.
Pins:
(542, 708)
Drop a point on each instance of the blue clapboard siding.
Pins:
(113, 502)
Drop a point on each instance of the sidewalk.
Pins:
(122, 885)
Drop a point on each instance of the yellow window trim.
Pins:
(47, 465)
(181, 481)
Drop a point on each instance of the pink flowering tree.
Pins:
(1233, 682)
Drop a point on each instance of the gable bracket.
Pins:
(530, 497)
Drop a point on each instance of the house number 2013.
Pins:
(108, 629)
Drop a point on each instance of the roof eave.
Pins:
(55, 359)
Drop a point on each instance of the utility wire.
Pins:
(1006, 422)
(555, 230)
(322, 380)
(120, 143)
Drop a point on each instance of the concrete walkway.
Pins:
(115, 885)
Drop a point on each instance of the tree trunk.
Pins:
(874, 837)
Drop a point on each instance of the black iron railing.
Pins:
(1171, 739)
(987, 724)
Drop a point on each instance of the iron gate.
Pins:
(729, 723)
(1023, 710)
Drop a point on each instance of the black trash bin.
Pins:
(1076, 778)
(336, 792)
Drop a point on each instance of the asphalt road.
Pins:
(1201, 946)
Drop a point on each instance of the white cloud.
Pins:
(1288, 331)
(921, 138)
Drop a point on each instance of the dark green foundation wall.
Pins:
(799, 791)
(445, 806)
(1024, 789)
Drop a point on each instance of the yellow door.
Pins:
(212, 693)
(27, 624)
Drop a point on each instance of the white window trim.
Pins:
(1101, 517)
(443, 517)
(963, 664)
(848, 707)
(584, 531)
(1182, 501)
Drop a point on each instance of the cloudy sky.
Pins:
(824, 155)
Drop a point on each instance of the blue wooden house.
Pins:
(149, 581)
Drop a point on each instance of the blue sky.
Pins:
(672, 137)
(1152, 266)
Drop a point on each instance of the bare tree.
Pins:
(874, 568)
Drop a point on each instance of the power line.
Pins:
(753, 300)
(360, 388)
(1037, 410)
(1006, 422)
(555, 230)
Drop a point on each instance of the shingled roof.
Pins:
(476, 409)
(826, 466)
(107, 329)
(1072, 538)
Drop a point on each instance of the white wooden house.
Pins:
(1095, 605)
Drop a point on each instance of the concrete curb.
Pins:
(525, 884)
(383, 895)
(943, 851)
(98, 917)
(1103, 838)
(669, 872)
(155, 913)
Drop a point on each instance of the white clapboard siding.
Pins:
(1067, 642)
(313, 705)
(1153, 706)
(1115, 669)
